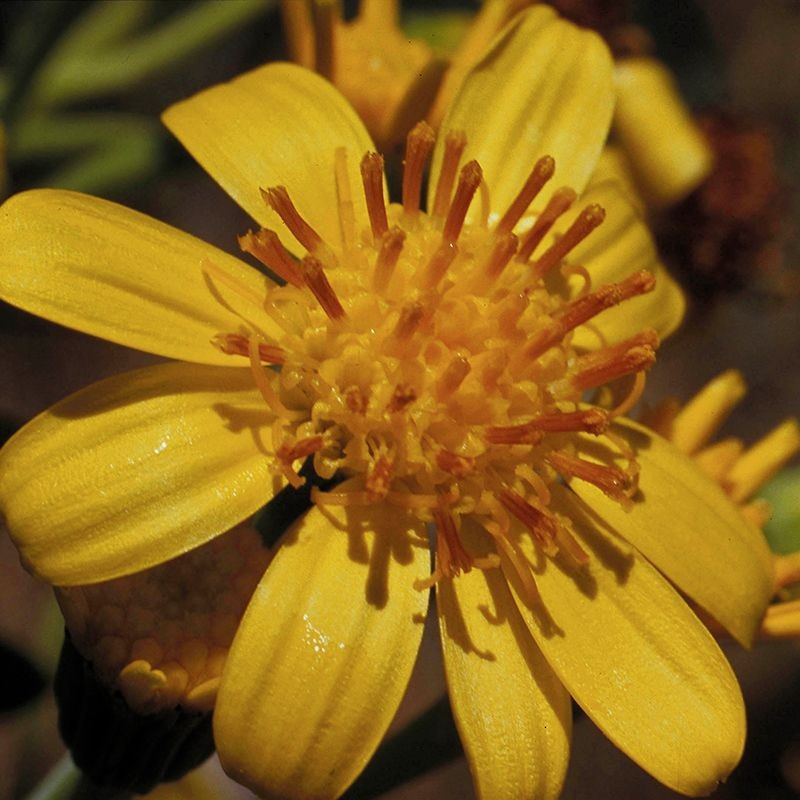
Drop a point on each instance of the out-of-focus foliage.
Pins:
(61, 59)
(783, 494)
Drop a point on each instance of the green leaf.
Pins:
(783, 494)
(96, 57)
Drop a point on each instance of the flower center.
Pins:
(430, 360)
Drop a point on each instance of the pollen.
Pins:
(429, 359)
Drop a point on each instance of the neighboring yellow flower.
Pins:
(438, 361)
(740, 472)
(389, 79)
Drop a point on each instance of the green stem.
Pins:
(430, 741)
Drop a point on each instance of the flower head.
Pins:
(440, 361)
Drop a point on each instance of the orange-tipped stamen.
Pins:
(502, 252)
(540, 174)
(512, 434)
(611, 480)
(316, 280)
(452, 377)
(288, 454)
(411, 315)
(590, 420)
(277, 197)
(540, 524)
(453, 559)
(268, 249)
(580, 311)
(372, 177)
(235, 344)
(468, 182)
(632, 355)
(454, 145)
(584, 224)
(386, 260)
(559, 204)
(590, 305)
(439, 264)
(419, 144)
(456, 465)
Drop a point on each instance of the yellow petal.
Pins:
(666, 147)
(634, 656)
(704, 414)
(687, 527)
(620, 246)
(135, 470)
(324, 652)
(103, 269)
(763, 460)
(278, 125)
(545, 87)
(513, 714)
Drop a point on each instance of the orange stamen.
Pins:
(468, 182)
(540, 524)
(585, 308)
(612, 481)
(300, 449)
(316, 280)
(454, 145)
(501, 253)
(419, 144)
(590, 305)
(235, 344)
(278, 199)
(372, 177)
(388, 255)
(268, 249)
(411, 315)
(452, 558)
(584, 224)
(459, 466)
(439, 264)
(610, 363)
(540, 174)
(559, 204)
(590, 420)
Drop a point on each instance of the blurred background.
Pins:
(82, 85)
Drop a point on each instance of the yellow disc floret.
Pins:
(429, 359)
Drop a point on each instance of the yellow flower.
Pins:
(739, 471)
(439, 362)
(389, 78)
